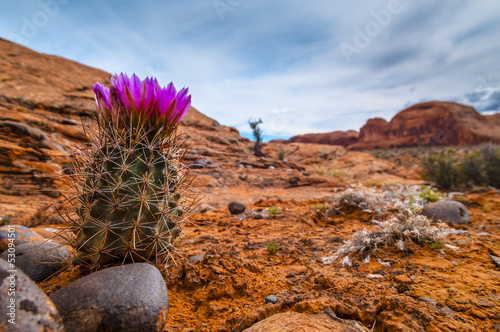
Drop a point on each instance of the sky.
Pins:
(300, 66)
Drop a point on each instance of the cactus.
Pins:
(130, 196)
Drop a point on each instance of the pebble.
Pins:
(243, 177)
(495, 260)
(211, 164)
(39, 260)
(402, 279)
(271, 299)
(483, 234)
(34, 310)
(427, 299)
(196, 258)
(198, 163)
(249, 166)
(130, 297)
(241, 166)
(375, 276)
(69, 122)
(22, 235)
(236, 208)
(452, 211)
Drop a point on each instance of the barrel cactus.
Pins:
(130, 196)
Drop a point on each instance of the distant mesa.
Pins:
(432, 123)
(343, 138)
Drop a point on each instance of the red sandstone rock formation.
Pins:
(343, 138)
(430, 124)
(426, 124)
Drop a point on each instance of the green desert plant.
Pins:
(273, 210)
(482, 167)
(442, 170)
(479, 167)
(281, 153)
(436, 245)
(429, 194)
(273, 247)
(129, 195)
(257, 134)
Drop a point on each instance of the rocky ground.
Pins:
(224, 277)
(224, 271)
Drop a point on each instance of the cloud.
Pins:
(281, 61)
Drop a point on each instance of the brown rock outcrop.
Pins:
(343, 138)
(430, 124)
(295, 322)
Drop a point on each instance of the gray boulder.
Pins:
(131, 297)
(452, 211)
(39, 260)
(33, 312)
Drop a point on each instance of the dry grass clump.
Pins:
(376, 202)
(405, 228)
(401, 231)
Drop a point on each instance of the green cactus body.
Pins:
(129, 204)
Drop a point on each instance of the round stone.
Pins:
(130, 298)
(24, 304)
(236, 208)
(452, 211)
(271, 299)
(39, 260)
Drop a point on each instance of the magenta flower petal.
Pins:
(120, 82)
(184, 101)
(148, 91)
(101, 95)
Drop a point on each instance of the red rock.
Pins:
(402, 279)
(343, 138)
(293, 321)
(430, 124)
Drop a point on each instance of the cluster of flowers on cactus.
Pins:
(146, 97)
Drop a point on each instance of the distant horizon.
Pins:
(267, 138)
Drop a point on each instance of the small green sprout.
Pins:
(281, 153)
(436, 245)
(273, 210)
(430, 194)
(272, 247)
